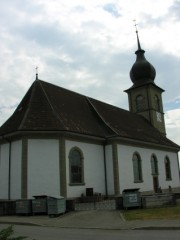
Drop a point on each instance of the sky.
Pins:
(88, 46)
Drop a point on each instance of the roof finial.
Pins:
(36, 72)
(139, 45)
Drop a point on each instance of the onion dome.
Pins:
(142, 71)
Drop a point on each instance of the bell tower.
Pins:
(145, 97)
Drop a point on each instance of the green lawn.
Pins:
(153, 213)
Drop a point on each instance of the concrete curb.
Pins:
(20, 223)
(106, 220)
(157, 228)
(122, 217)
(95, 228)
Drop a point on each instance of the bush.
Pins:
(6, 234)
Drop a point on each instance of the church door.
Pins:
(155, 183)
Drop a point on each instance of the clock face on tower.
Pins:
(158, 116)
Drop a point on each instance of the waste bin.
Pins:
(56, 205)
(24, 206)
(39, 204)
(7, 207)
(131, 198)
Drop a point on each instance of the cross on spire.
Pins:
(36, 72)
(135, 24)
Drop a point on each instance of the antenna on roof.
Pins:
(135, 24)
(36, 72)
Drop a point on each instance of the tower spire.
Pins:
(36, 72)
(142, 72)
(138, 42)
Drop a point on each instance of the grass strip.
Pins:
(153, 213)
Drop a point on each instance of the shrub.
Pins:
(6, 234)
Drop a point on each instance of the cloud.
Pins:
(112, 9)
(88, 46)
(174, 10)
(172, 119)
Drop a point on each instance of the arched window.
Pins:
(157, 103)
(167, 168)
(154, 165)
(139, 103)
(137, 168)
(76, 168)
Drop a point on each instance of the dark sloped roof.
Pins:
(47, 107)
(129, 125)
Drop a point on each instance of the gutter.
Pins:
(128, 141)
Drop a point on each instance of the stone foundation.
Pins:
(103, 205)
(158, 200)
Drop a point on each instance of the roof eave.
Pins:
(52, 133)
(130, 141)
(141, 85)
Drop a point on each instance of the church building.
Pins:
(59, 142)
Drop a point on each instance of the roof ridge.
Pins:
(27, 110)
(50, 104)
(101, 117)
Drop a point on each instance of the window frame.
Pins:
(140, 104)
(73, 183)
(157, 103)
(154, 165)
(137, 168)
(167, 165)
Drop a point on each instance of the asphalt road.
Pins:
(49, 233)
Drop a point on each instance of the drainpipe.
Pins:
(105, 170)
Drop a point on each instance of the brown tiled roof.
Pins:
(129, 125)
(47, 107)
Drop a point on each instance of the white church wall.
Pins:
(109, 170)
(175, 181)
(43, 167)
(93, 168)
(16, 153)
(126, 176)
(4, 171)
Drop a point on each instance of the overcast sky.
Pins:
(88, 46)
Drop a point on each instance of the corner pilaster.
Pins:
(62, 167)
(24, 170)
(115, 168)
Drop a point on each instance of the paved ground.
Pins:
(91, 219)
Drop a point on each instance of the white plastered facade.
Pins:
(43, 167)
(126, 177)
(44, 164)
(10, 170)
(94, 176)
